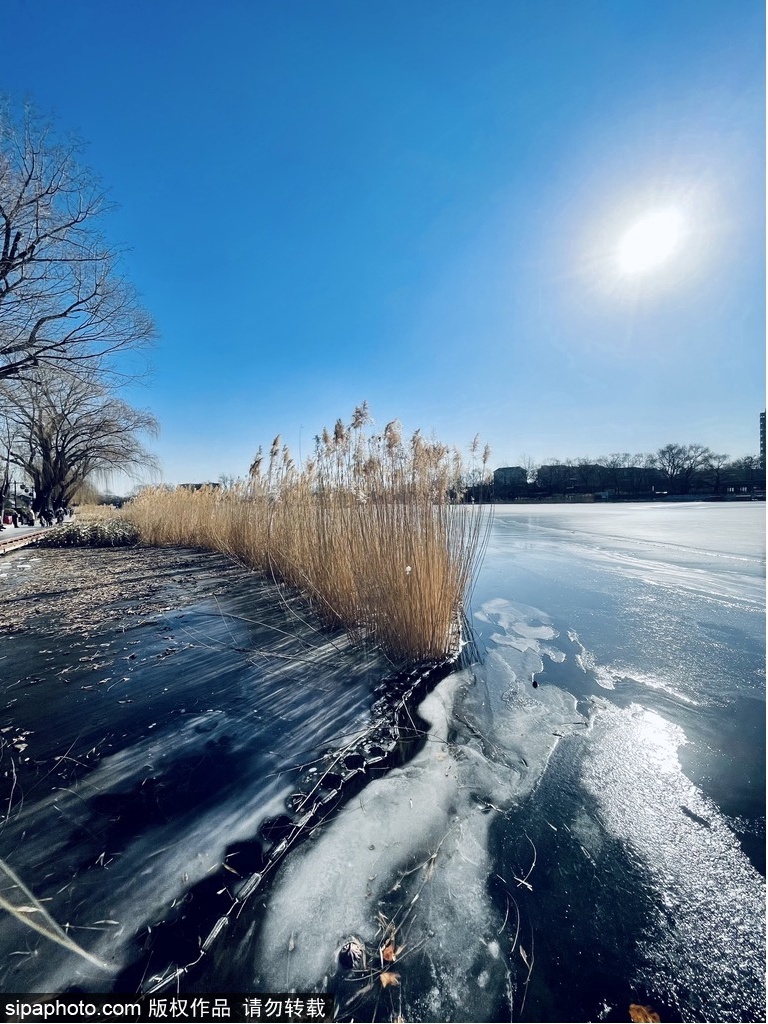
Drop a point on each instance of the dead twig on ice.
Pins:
(43, 923)
(524, 880)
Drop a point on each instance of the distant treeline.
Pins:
(675, 469)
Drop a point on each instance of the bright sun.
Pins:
(651, 241)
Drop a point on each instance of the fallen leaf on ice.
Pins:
(352, 955)
(643, 1014)
(389, 978)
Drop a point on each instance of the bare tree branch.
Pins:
(64, 301)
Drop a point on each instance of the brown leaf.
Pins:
(643, 1014)
(388, 952)
(389, 978)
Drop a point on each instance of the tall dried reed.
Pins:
(371, 529)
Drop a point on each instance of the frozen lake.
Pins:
(550, 854)
(656, 615)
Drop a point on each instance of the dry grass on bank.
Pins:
(369, 529)
(94, 526)
(105, 513)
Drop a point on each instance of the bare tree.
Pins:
(614, 466)
(679, 462)
(587, 474)
(64, 431)
(716, 463)
(555, 477)
(530, 466)
(641, 473)
(748, 470)
(63, 299)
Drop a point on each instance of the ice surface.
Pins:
(415, 846)
(711, 949)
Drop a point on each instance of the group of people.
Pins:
(49, 516)
(25, 517)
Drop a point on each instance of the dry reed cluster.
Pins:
(371, 529)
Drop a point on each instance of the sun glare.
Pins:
(651, 241)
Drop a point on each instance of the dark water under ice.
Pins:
(547, 854)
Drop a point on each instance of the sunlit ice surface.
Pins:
(709, 934)
(651, 241)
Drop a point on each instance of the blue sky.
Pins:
(419, 204)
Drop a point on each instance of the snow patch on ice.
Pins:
(604, 677)
(553, 654)
(586, 661)
(519, 643)
(517, 619)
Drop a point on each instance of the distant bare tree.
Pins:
(716, 463)
(62, 431)
(530, 466)
(748, 469)
(587, 474)
(555, 476)
(63, 299)
(679, 462)
(640, 473)
(614, 466)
